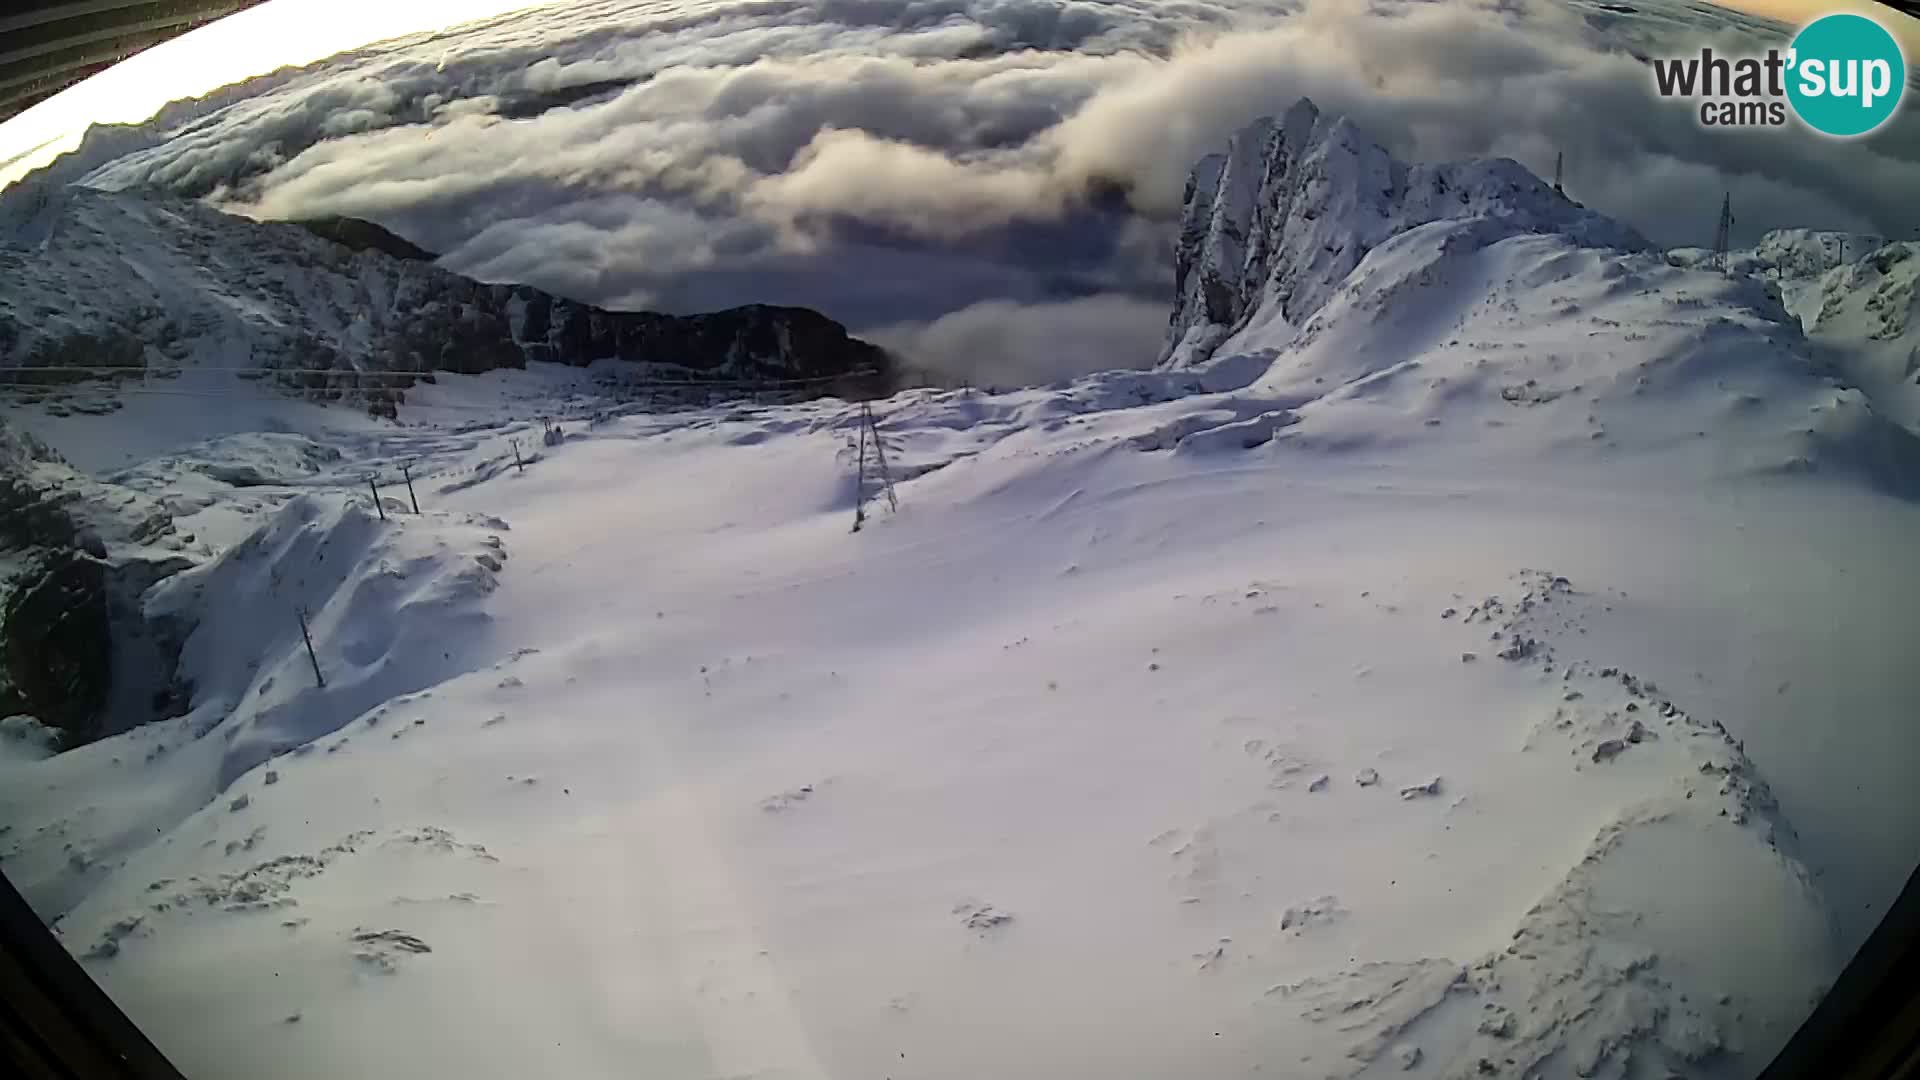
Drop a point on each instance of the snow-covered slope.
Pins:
(1468, 677)
(132, 280)
(1459, 327)
(1409, 308)
(1223, 761)
(1274, 225)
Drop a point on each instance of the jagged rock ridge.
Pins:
(1272, 226)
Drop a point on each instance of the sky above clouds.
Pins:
(965, 179)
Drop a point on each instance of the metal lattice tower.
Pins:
(870, 438)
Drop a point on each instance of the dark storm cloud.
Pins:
(894, 163)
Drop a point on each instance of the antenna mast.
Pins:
(1722, 230)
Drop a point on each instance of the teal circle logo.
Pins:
(1845, 75)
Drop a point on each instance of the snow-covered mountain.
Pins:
(145, 280)
(1274, 224)
(1447, 665)
(1472, 306)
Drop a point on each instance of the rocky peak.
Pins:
(1272, 226)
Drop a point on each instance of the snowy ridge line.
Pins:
(174, 282)
(396, 373)
(148, 370)
(219, 396)
(222, 395)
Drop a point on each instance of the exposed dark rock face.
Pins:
(74, 643)
(143, 680)
(55, 642)
(755, 341)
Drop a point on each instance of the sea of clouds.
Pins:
(985, 185)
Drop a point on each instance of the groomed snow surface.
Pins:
(1513, 679)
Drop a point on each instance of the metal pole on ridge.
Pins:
(860, 477)
(318, 679)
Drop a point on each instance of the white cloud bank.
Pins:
(894, 163)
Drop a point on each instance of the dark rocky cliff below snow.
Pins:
(77, 652)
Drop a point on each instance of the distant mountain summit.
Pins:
(141, 280)
(1273, 226)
